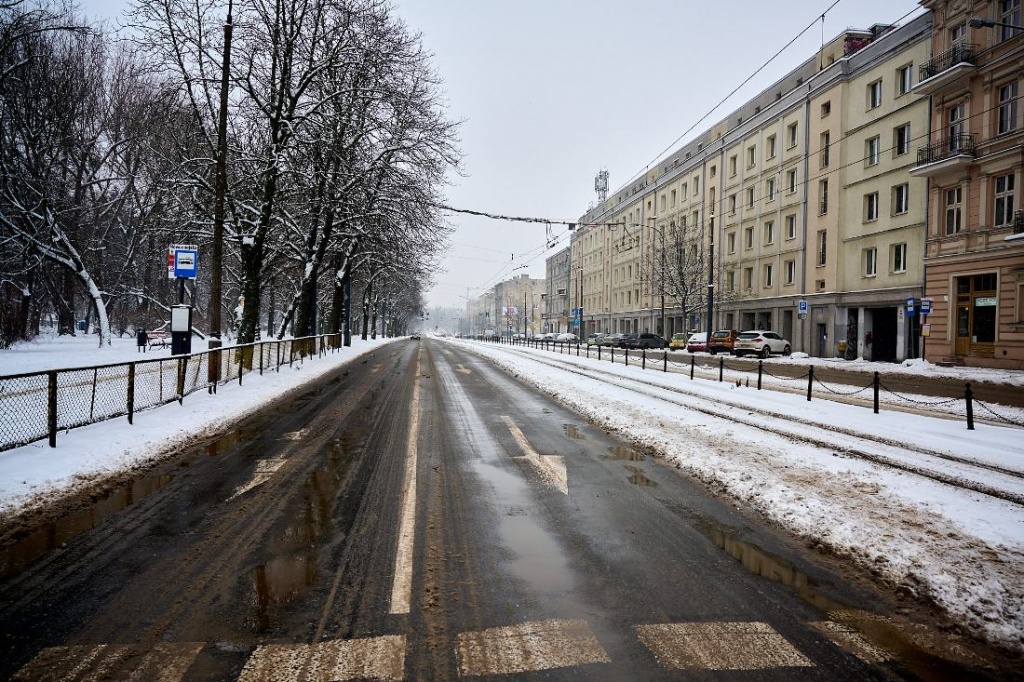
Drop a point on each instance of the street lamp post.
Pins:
(711, 286)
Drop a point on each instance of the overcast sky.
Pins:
(552, 91)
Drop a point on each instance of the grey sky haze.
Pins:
(552, 91)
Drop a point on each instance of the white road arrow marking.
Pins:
(551, 467)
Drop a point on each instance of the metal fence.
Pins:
(660, 360)
(38, 405)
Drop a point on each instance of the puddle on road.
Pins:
(637, 477)
(21, 554)
(630, 454)
(279, 581)
(572, 431)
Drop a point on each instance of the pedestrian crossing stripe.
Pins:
(720, 646)
(526, 647)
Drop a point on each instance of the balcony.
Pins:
(941, 70)
(950, 153)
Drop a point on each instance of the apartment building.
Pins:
(555, 315)
(517, 306)
(974, 252)
(800, 200)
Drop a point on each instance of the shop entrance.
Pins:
(883, 334)
(976, 315)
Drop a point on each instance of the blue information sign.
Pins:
(802, 307)
(910, 307)
(185, 262)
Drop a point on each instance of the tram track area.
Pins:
(948, 468)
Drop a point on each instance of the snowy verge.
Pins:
(36, 475)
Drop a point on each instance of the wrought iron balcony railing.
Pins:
(960, 53)
(954, 145)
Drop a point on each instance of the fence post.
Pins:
(664, 359)
(810, 381)
(599, 353)
(760, 371)
(181, 381)
(261, 358)
(627, 357)
(51, 406)
(131, 391)
(721, 369)
(643, 358)
(613, 355)
(241, 363)
(92, 400)
(875, 384)
(969, 397)
(578, 349)
(693, 361)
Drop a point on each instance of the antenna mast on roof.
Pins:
(601, 185)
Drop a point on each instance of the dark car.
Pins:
(627, 340)
(649, 341)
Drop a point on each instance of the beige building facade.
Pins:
(801, 231)
(974, 164)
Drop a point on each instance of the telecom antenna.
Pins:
(601, 185)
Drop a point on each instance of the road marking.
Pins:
(378, 658)
(462, 370)
(265, 470)
(720, 646)
(164, 663)
(401, 588)
(539, 645)
(551, 467)
(851, 641)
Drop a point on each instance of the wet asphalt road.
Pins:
(423, 516)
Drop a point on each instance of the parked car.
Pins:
(566, 337)
(697, 342)
(763, 343)
(625, 340)
(610, 340)
(722, 341)
(595, 339)
(678, 341)
(547, 336)
(648, 340)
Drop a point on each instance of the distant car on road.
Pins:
(763, 343)
(697, 342)
(567, 337)
(722, 341)
(647, 340)
(678, 341)
(610, 340)
(595, 339)
(415, 337)
(626, 340)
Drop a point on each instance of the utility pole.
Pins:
(220, 199)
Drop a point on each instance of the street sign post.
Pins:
(182, 264)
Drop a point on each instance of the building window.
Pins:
(957, 34)
(870, 207)
(748, 278)
(771, 147)
(870, 262)
(750, 198)
(748, 238)
(685, 191)
(769, 232)
(730, 280)
(899, 258)
(825, 146)
(751, 156)
(732, 165)
(1007, 108)
(791, 181)
(1009, 13)
(664, 203)
(1004, 199)
(673, 195)
(791, 135)
(790, 272)
(791, 227)
(696, 185)
(900, 199)
(904, 79)
(770, 189)
(823, 196)
(872, 151)
(826, 108)
(822, 246)
(955, 117)
(954, 198)
(875, 94)
(768, 279)
(901, 139)
(713, 171)
(730, 241)
(732, 204)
